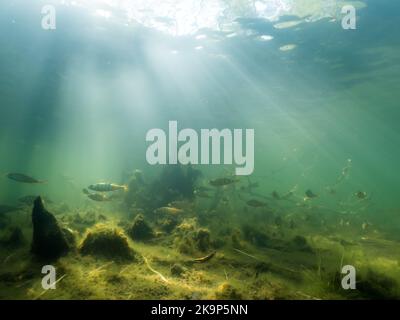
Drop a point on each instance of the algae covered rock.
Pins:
(140, 229)
(177, 270)
(236, 239)
(226, 291)
(377, 285)
(256, 236)
(190, 239)
(168, 224)
(48, 239)
(370, 284)
(202, 238)
(300, 243)
(106, 242)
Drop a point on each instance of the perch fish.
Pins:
(23, 178)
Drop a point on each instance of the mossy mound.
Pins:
(377, 285)
(189, 238)
(256, 236)
(168, 224)
(106, 242)
(140, 229)
(300, 243)
(202, 238)
(370, 284)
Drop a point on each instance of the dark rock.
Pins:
(48, 239)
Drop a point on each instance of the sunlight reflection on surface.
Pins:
(186, 17)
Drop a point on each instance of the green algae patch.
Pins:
(106, 242)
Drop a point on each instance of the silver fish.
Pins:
(98, 197)
(106, 187)
(20, 177)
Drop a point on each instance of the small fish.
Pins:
(107, 187)
(361, 195)
(85, 191)
(203, 189)
(206, 258)
(201, 194)
(169, 210)
(310, 194)
(256, 203)
(19, 177)
(6, 209)
(219, 182)
(98, 197)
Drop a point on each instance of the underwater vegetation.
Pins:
(281, 88)
(106, 242)
(188, 248)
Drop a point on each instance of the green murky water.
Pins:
(76, 104)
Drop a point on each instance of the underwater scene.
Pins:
(199, 150)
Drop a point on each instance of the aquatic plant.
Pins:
(106, 242)
(140, 229)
